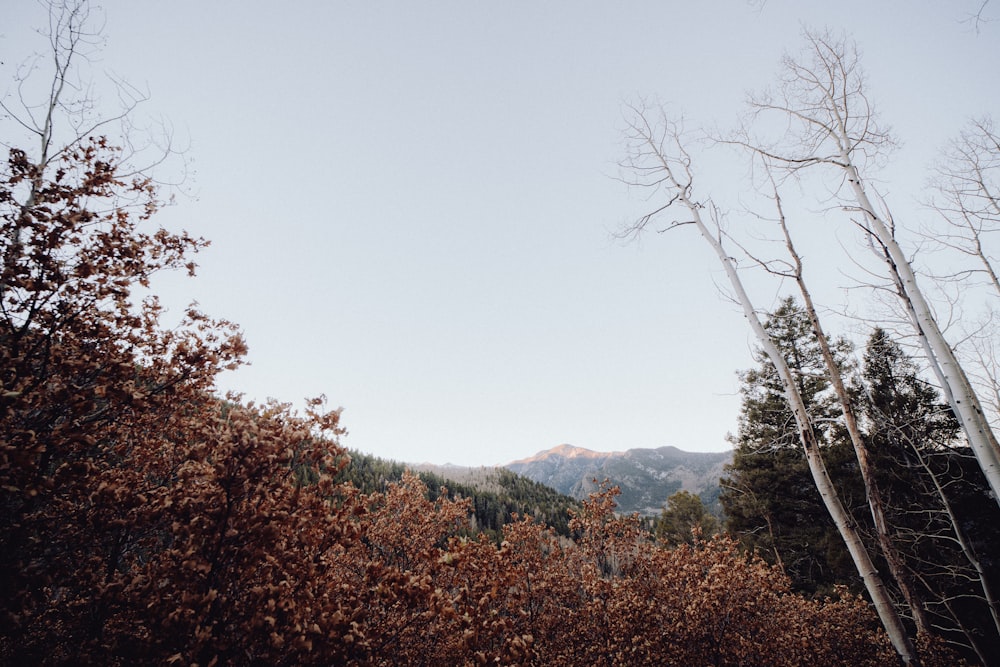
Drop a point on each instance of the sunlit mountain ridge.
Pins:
(647, 477)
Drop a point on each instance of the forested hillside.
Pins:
(496, 495)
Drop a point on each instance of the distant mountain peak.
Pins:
(568, 452)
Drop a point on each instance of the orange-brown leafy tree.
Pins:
(142, 516)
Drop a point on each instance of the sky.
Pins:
(412, 205)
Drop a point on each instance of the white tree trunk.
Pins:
(891, 621)
(963, 397)
(873, 493)
(653, 163)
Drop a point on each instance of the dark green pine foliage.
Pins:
(497, 494)
(768, 496)
(913, 439)
(685, 512)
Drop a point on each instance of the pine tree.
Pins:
(936, 496)
(768, 496)
(682, 517)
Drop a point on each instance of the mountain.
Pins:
(647, 477)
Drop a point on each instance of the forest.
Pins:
(145, 518)
(496, 496)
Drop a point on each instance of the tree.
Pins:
(143, 518)
(872, 488)
(831, 123)
(83, 370)
(966, 187)
(658, 160)
(684, 520)
(768, 496)
(967, 183)
(822, 105)
(934, 491)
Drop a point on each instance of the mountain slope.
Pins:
(647, 477)
(497, 494)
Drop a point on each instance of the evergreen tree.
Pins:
(683, 514)
(768, 496)
(937, 496)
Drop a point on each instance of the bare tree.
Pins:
(658, 160)
(967, 183)
(966, 187)
(793, 269)
(940, 523)
(50, 119)
(55, 102)
(830, 121)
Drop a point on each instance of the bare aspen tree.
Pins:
(954, 524)
(951, 530)
(966, 187)
(54, 103)
(658, 160)
(792, 269)
(967, 183)
(822, 101)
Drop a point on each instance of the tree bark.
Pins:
(846, 526)
(654, 166)
(964, 400)
(873, 493)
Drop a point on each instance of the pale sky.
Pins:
(411, 203)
